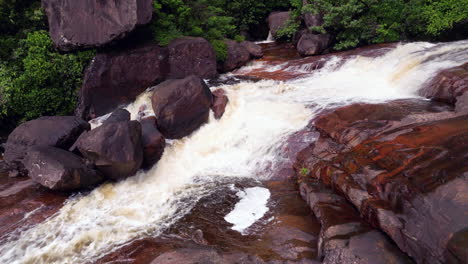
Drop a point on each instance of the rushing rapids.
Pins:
(245, 143)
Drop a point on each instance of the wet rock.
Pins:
(115, 148)
(220, 101)
(54, 131)
(89, 24)
(461, 106)
(60, 170)
(152, 140)
(118, 115)
(276, 21)
(312, 44)
(116, 78)
(447, 85)
(254, 49)
(181, 106)
(237, 56)
(344, 236)
(204, 255)
(191, 56)
(402, 165)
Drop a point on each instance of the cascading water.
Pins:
(243, 144)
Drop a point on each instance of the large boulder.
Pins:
(54, 131)
(220, 101)
(277, 20)
(60, 170)
(115, 148)
(255, 50)
(312, 44)
(153, 142)
(118, 77)
(191, 56)
(310, 19)
(181, 106)
(118, 115)
(237, 56)
(91, 23)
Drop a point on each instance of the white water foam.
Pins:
(244, 143)
(251, 207)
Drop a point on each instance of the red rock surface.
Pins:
(403, 166)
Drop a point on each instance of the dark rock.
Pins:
(115, 148)
(312, 20)
(117, 78)
(461, 106)
(344, 236)
(118, 115)
(254, 49)
(181, 106)
(89, 24)
(312, 44)
(277, 20)
(54, 131)
(237, 56)
(60, 170)
(447, 85)
(205, 255)
(220, 101)
(152, 140)
(402, 165)
(191, 56)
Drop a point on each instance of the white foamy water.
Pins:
(251, 207)
(244, 143)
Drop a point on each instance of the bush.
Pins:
(45, 82)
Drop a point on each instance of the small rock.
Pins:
(118, 115)
(312, 44)
(153, 142)
(220, 101)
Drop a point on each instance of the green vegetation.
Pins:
(361, 22)
(304, 172)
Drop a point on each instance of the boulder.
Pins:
(312, 20)
(220, 101)
(403, 166)
(116, 78)
(153, 142)
(181, 106)
(191, 56)
(237, 56)
(277, 20)
(60, 170)
(254, 49)
(115, 148)
(54, 131)
(118, 115)
(449, 86)
(89, 24)
(312, 44)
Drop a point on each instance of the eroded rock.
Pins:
(181, 106)
(60, 170)
(220, 101)
(237, 56)
(312, 44)
(88, 24)
(117, 78)
(276, 21)
(115, 148)
(254, 49)
(191, 56)
(118, 115)
(153, 142)
(54, 131)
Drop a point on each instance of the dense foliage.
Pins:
(361, 22)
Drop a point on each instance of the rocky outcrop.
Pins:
(181, 106)
(88, 24)
(449, 86)
(220, 101)
(60, 170)
(117, 78)
(54, 131)
(191, 56)
(276, 21)
(114, 148)
(237, 56)
(153, 142)
(312, 44)
(118, 115)
(311, 20)
(344, 236)
(402, 165)
(254, 49)
(205, 255)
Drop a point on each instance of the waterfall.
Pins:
(245, 143)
